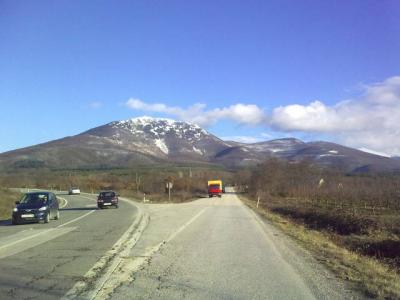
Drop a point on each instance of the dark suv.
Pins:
(36, 207)
(107, 198)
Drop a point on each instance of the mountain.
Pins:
(163, 138)
(148, 141)
(139, 141)
(320, 153)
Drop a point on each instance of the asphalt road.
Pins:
(218, 249)
(44, 261)
(206, 249)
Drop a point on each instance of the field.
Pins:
(350, 222)
(357, 214)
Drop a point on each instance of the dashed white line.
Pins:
(87, 198)
(76, 219)
(26, 238)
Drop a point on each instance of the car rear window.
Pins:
(107, 194)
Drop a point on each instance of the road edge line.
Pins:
(92, 282)
(127, 266)
(120, 257)
(65, 201)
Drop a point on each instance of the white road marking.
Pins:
(112, 258)
(76, 219)
(43, 231)
(65, 201)
(26, 238)
(126, 267)
(29, 241)
(183, 227)
(87, 198)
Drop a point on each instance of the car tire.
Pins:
(116, 205)
(13, 222)
(57, 216)
(47, 220)
(99, 207)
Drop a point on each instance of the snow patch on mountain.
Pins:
(329, 154)
(158, 128)
(374, 152)
(276, 149)
(162, 146)
(197, 150)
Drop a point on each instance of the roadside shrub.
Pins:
(335, 221)
(382, 249)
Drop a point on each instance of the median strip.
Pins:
(126, 267)
(93, 282)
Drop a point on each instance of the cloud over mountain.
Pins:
(248, 114)
(371, 120)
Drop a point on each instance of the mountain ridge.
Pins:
(150, 141)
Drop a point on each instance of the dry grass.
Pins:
(7, 202)
(369, 275)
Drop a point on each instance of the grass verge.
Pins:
(7, 202)
(368, 275)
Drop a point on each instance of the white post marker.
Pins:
(258, 201)
(169, 186)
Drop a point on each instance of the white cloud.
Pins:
(243, 139)
(248, 114)
(267, 135)
(371, 121)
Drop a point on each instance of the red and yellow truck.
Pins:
(214, 188)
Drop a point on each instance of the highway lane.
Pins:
(218, 249)
(44, 261)
(205, 249)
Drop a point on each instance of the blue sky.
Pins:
(252, 69)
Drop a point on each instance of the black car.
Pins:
(36, 207)
(107, 198)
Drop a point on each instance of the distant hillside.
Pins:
(149, 141)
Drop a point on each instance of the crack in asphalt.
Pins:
(49, 274)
